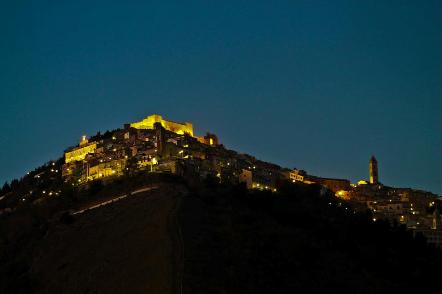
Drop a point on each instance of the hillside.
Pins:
(129, 246)
(297, 241)
(207, 238)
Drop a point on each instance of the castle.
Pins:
(150, 121)
(151, 141)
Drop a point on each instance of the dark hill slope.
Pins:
(131, 246)
(296, 241)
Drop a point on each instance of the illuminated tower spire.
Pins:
(373, 170)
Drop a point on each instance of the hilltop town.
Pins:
(157, 145)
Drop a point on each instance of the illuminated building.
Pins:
(208, 139)
(343, 194)
(149, 122)
(362, 182)
(373, 170)
(147, 162)
(79, 153)
(297, 175)
(106, 169)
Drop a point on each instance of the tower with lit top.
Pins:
(373, 170)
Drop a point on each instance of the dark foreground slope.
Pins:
(296, 241)
(214, 239)
(131, 246)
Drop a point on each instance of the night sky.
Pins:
(317, 85)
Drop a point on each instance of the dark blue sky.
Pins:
(318, 85)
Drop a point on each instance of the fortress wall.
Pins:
(148, 123)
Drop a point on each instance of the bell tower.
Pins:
(373, 170)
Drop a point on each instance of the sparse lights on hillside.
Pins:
(114, 138)
(374, 219)
(44, 192)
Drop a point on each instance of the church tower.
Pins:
(373, 170)
(160, 137)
